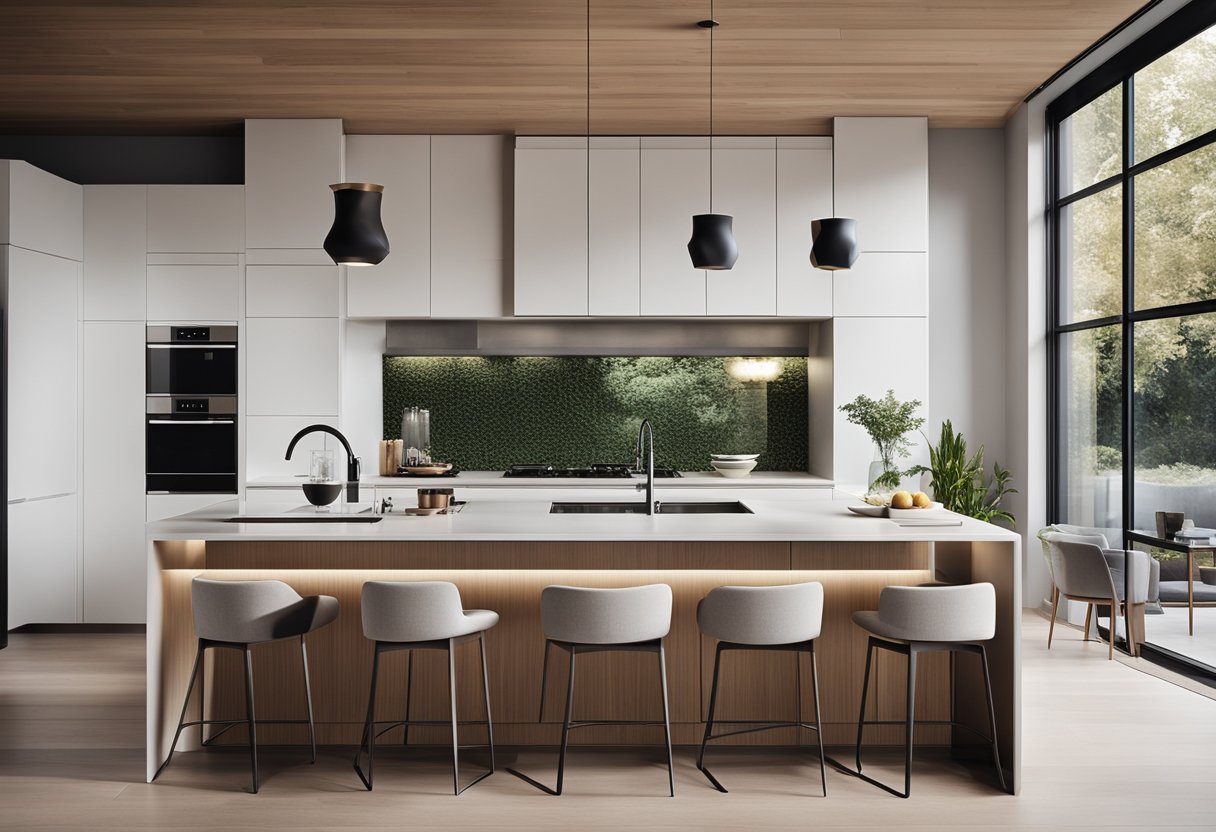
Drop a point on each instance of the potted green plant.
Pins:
(959, 481)
(888, 421)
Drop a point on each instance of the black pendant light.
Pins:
(713, 239)
(357, 236)
(833, 243)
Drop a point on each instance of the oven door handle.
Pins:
(190, 421)
(191, 346)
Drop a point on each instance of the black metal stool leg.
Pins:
(198, 658)
(996, 757)
(485, 682)
(251, 717)
(561, 759)
(823, 765)
(865, 689)
(369, 727)
(709, 722)
(671, 776)
(455, 724)
(910, 730)
(409, 690)
(312, 731)
(544, 678)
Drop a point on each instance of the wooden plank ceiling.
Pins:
(519, 66)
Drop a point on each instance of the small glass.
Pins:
(321, 467)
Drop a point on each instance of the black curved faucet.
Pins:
(352, 461)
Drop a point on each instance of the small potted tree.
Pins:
(888, 421)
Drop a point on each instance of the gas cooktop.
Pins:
(598, 470)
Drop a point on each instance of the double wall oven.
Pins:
(191, 431)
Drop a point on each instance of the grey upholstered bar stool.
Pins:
(781, 618)
(421, 615)
(919, 619)
(581, 620)
(235, 615)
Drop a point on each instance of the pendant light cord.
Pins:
(713, 25)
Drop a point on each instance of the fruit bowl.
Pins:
(321, 493)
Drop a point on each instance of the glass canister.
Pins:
(416, 436)
(321, 467)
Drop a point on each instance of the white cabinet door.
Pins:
(468, 218)
(40, 212)
(804, 193)
(883, 284)
(42, 562)
(291, 366)
(882, 181)
(614, 223)
(114, 556)
(871, 356)
(115, 252)
(196, 218)
(400, 286)
(675, 186)
(551, 227)
(289, 166)
(193, 293)
(291, 292)
(745, 187)
(42, 359)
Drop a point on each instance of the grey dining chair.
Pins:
(1085, 571)
(235, 615)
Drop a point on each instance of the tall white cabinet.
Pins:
(41, 246)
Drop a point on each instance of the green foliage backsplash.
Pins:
(487, 413)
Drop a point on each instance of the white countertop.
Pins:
(484, 479)
(490, 520)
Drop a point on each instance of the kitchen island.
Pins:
(502, 553)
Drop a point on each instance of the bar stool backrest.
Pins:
(402, 611)
(939, 613)
(606, 616)
(242, 612)
(763, 614)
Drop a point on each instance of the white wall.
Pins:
(967, 287)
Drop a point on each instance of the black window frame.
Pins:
(1120, 70)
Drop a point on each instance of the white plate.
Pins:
(733, 457)
(934, 510)
(735, 473)
(723, 464)
(867, 510)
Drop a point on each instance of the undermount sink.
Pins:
(726, 507)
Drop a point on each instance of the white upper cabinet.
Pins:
(675, 186)
(885, 284)
(289, 166)
(745, 187)
(551, 226)
(469, 199)
(804, 193)
(193, 293)
(400, 286)
(40, 212)
(291, 292)
(882, 181)
(196, 219)
(614, 226)
(292, 366)
(115, 252)
(42, 365)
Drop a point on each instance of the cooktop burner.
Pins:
(598, 470)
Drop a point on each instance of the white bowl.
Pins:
(749, 464)
(932, 510)
(734, 469)
(733, 457)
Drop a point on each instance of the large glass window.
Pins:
(1132, 340)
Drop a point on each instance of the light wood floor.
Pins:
(1105, 748)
